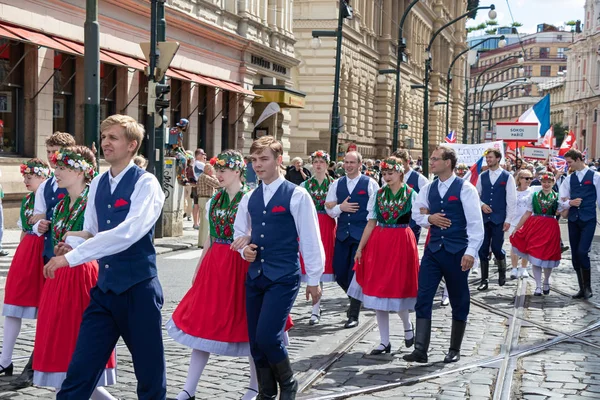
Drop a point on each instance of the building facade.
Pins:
(559, 110)
(228, 47)
(583, 82)
(506, 89)
(369, 45)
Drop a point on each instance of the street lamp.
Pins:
(501, 43)
(504, 95)
(520, 61)
(345, 11)
(494, 93)
(425, 157)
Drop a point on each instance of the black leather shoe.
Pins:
(546, 290)
(26, 378)
(285, 376)
(587, 284)
(186, 392)
(409, 342)
(579, 295)
(485, 273)
(386, 349)
(351, 323)
(422, 338)
(501, 272)
(564, 248)
(456, 337)
(8, 371)
(483, 285)
(267, 384)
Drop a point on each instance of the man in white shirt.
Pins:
(456, 233)
(580, 193)
(280, 218)
(123, 206)
(498, 192)
(351, 193)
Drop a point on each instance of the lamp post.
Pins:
(494, 99)
(501, 44)
(91, 62)
(492, 14)
(520, 61)
(345, 11)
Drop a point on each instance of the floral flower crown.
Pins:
(225, 160)
(391, 164)
(548, 176)
(73, 160)
(320, 154)
(35, 168)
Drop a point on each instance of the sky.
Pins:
(532, 12)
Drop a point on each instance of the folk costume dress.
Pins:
(25, 278)
(386, 279)
(63, 301)
(327, 225)
(538, 239)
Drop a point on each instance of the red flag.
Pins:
(567, 143)
(547, 140)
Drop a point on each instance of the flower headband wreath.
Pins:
(547, 176)
(320, 154)
(73, 160)
(391, 164)
(231, 161)
(35, 168)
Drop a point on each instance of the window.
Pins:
(561, 52)
(108, 85)
(63, 116)
(544, 52)
(562, 68)
(11, 97)
(546, 70)
(202, 120)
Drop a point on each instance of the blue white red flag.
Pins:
(451, 138)
(475, 170)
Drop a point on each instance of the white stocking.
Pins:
(383, 322)
(101, 394)
(407, 325)
(317, 307)
(198, 361)
(12, 327)
(547, 273)
(445, 295)
(537, 275)
(253, 385)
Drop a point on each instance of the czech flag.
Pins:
(539, 113)
(475, 170)
(451, 138)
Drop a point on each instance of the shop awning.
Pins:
(284, 96)
(79, 47)
(27, 35)
(125, 60)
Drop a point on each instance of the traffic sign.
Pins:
(166, 51)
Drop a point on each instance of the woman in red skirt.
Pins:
(25, 277)
(537, 235)
(65, 298)
(317, 186)
(387, 260)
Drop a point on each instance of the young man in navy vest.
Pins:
(351, 193)
(580, 192)
(123, 206)
(414, 180)
(280, 218)
(498, 192)
(46, 198)
(456, 233)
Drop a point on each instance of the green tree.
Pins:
(572, 24)
(491, 22)
(471, 5)
(476, 28)
(491, 31)
(560, 131)
(516, 24)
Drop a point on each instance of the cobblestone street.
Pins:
(516, 347)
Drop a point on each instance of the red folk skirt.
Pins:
(539, 241)
(25, 278)
(327, 227)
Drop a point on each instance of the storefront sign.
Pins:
(469, 154)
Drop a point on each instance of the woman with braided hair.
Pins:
(65, 298)
(25, 277)
(387, 259)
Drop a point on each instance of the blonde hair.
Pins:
(521, 174)
(140, 161)
(132, 129)
(267, 142)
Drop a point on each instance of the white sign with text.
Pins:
(470, 153)
(517, 131)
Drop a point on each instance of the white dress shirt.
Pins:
(147, 201)
(565, 188)
(350, 184)
(39, 205)
(468, 196)
(422, 180)
(511, 192)
(304, 212)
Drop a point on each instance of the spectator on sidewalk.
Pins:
(206, 186)
(190, 193)
(199, 163)
(296, 173)
(251, 179)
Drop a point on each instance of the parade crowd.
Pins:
(86, 264)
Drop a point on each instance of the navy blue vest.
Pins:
(52, 198)
(118, 272)
(274, 232)
(453, 239)
(494, 196)
(413, 181)
(585, 190)
(353, 225)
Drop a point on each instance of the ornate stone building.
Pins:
(583, 82)
(370, 44)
